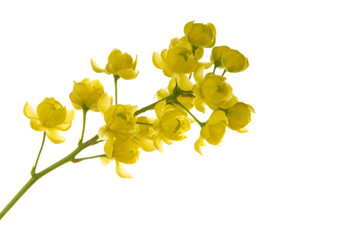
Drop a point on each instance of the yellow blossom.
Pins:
(216, 55)
(50, 117)
(119, 64)
(170, 125)
(230, 59)
(239, 116)
(178, 61)
(122, 151)
(213, 131)
(234, 61)
(213, 91)
(86, 94)
(120, 120)
(200, 35)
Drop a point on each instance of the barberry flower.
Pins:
(119, 64)
(86, 94)
(239, 116)
(213, 131)
(50, 117)
(171, 124)
(178, 61)
(213, 91)
(200, 35)
(122, 151)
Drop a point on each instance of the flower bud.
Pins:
(234, 61)
(200, 35)
(239, 116)
(216, 55)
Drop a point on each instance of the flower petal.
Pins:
(70, 115)
(198, 144)
(184, 82)
(121, 171)
(104, 103)
(159, 109)
(157, 61)
(158, 142)
(105, 160)
(29, 111)
(109, 147)
(96, 67)
(127, 74)
(37, 125)
(199, 74)
(54, 135)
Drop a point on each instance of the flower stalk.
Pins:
(37, 176)
(37, 159)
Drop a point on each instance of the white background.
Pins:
(294, 175)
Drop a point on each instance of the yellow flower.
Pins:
(212, 90)
(50, 116)
(230, 59)
(119, 64)
(239, 116)
(200, 35)
(178, 61)
(170, 125)
(216, 55)
(213, 130)
(120, 120)
(86, 94)
(122, 151)
(234, 61)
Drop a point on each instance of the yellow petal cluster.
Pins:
(120, 122)
(50, 117)
(200, 35)
(239, 116)
(230, 59)
(119, 64)
(171, 124)
(213, 91)
(213, 131)
(178, 61)
(86, 94)
(124, 133)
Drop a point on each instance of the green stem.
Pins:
(223, 73)
(80, 159)
(214, 68)
(37, 176)
(85, 110)
(151, 106)
(116, 77)
(37, 159)
(197, 120)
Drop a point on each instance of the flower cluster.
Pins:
(190, 86)
(181, 61)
